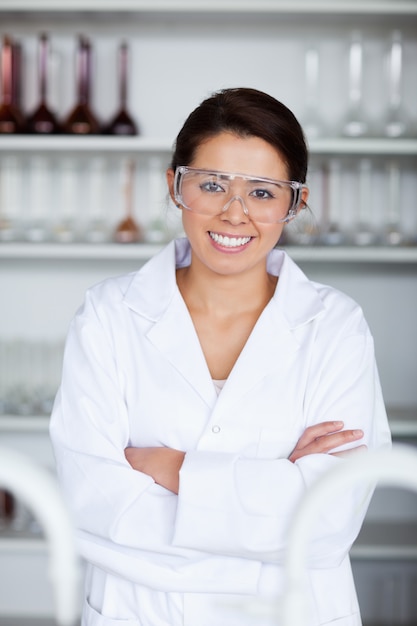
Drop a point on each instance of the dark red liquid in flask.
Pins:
(43, 120)
(11, 118)
(82, 120)
(122, 123)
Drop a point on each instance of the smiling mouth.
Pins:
(229, 242)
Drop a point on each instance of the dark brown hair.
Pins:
(247, 113)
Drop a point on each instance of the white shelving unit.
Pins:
(403, 423)
(333, 7)
(142, 252)
(182, 50)
(143, 145)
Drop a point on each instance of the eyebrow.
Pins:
(263, 180)
(251, 179)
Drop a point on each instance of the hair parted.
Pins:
(245, 112)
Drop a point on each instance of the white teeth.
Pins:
(229, 242)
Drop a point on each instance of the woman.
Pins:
(203, 394)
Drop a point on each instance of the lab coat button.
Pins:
(215, 429)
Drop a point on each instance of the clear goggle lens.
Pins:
(211, 193)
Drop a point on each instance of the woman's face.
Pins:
(231, 242)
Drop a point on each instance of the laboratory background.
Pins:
(93, 93)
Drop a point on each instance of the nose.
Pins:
(233, 213)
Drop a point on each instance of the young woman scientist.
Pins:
(204, 393)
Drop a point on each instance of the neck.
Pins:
(224, 295)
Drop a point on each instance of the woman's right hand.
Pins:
(326, 436)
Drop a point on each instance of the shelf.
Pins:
(353, 254)
(386, 541)
(24, 424)
(403, 422)
(377, 540)
(22, 542)
(99, 143)
(149, 145)
(24, 620)
(142, 252)
(364, 146)
(81, 251)
(384, 7)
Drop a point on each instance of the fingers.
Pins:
(318, 430)
(329, 442)
(323, 437)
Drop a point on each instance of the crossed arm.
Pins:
(164, 464)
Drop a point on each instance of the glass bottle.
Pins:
(11, 119)
(7, 506)
(82, 120)
(393, 234)
(95, 194)
(43, 120)
(11, 195)
(64, 223)
(396, 123)
(38, 209)
(122, 123)
(312, 124)
(333, 234)
(355, 125)
(17, 76)
(128, 230)
(364, 234)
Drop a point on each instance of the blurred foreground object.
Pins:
(37, 488)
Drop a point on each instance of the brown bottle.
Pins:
(7, 507)
(82, 120)
(17, 76)
(11, 118)
(128, 230)
(122, 123)
(43, 120)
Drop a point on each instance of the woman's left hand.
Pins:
(326, 436)
(162, 464)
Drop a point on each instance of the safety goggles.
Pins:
(212, 192)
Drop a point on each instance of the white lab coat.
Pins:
(134, 374)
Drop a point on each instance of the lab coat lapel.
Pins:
(274, 341)
(175, 337)
(269, 348)
(154, 295)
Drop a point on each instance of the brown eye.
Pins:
(261, 194)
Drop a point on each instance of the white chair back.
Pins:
(36, 487)
(392, 468)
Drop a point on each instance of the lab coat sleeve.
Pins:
(244, 506)
(124, 520)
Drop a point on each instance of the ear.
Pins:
(304, 197)
(302, 204)
(170, 174)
